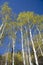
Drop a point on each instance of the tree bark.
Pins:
(41, 40)
(36, 59)
(13, 51)
(30, 61)
(22, 47)
(2, 31)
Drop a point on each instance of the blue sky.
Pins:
(25, 5)
(20, 6)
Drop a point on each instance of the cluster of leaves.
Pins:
(24, 18)
(18, 59)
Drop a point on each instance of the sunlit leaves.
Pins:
(6, 12)
(6, 9)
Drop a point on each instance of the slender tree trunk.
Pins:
(36, 60)
(40, 48)
(26, 53)
(6, 61)
(13, 51)
(1, 27)
(2, 31)
(30, 60)
(41, 40)
(39, 33)
(22, 47)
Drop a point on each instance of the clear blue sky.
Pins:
(25, 5)
(20, 6)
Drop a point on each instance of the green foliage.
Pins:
(6, 13)
(17, 58)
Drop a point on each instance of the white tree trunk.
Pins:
(29, 49)
(36, 60)
(13, 50)
(2, 31)
(40, 48)
(26, 52)
(6, 61)
(30, 60)
(39, 33)
(1, 27)
(22, 47)
(41, 40)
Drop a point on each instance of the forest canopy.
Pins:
(30, 26)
